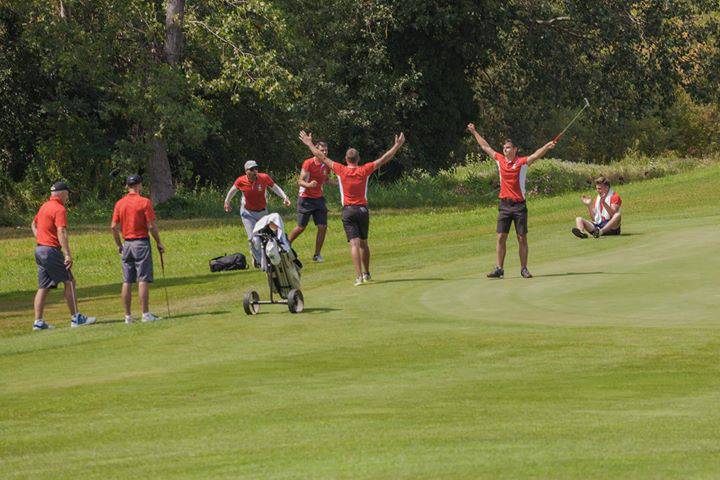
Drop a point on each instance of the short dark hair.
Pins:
(321, 144)
(602, 181)
(509, 140)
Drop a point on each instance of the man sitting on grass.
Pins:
(604, 211)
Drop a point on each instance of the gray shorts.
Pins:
(51, 267)
(137, 265)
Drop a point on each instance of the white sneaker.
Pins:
(129, 319)
(318, 258)
(42, 325)
(358, 281)
(149, 317)
(81, 320)
(366, 278)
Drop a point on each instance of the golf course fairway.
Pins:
(605, 365)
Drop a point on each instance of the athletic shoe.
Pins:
(525, 273)
(496, 273)
(41, 325)
(596, 233)
(81, 320)
(358, 281)
(366, 278)
(129, 319)
(578, 233)
(318, 259)
(149, 317)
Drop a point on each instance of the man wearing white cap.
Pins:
(253, 205)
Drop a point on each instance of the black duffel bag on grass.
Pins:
(236, 261)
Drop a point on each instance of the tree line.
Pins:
(185, 92)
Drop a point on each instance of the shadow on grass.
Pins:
(402, 280)
(569, 274)
(165, 318)
(13, 301)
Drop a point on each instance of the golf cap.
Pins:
(59, 187)
(133, 180)
(250, 164)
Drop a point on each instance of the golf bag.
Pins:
(280, 263)
(236, 261)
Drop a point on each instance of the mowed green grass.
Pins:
(605, 365)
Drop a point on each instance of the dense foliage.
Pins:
(87, 92)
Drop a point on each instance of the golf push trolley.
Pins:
(281, 265)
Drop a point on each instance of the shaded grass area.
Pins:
(604, 366)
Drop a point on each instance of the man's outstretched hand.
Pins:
(306, 138)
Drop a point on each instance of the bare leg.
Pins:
(501, 248)
(583, 224)
(70, 292)
(612, 224)
(365, 250)
(296, 233)
(355, 251)
(320, 238)
(40, 298)
(144, 294)
(523, 244)
(126, 296)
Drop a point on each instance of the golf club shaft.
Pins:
(72, 291)
(162, 267)
(559, 135)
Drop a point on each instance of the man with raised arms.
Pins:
(353, 184)
(512, 207)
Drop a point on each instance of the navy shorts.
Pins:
(137, 265)
(51, 267)
(615, 231)
(311, 207)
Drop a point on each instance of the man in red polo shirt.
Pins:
(353, 189)
(253, 205)
(311, 200)
(512, 207)
(50, 229)
(134, 217)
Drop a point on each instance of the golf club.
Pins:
(72, 291)
(162, 267)
(559, 135)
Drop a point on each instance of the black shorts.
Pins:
(311, 207)
(51, 267)
(510, 211)
(356, 222)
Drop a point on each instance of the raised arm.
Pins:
(540, 152)
(306, 138)
(387, 156)
(481, 141)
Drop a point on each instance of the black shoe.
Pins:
(578, 233)
(496, 273)
(596, 233)
(525, 273)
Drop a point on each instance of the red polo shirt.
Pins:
(319, 172)
(254, 192)
(354, 182)
(133, 212)
(512, 177)
(51, 216)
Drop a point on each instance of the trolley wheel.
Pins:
(250, 302)
(296, 302)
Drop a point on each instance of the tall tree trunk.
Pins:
(174, 15)
(162, 188)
